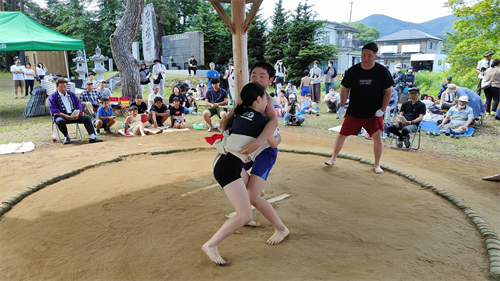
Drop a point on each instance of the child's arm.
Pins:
(274, 141)
(127, 123)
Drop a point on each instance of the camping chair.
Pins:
(115, 105)
(412, 142)
(78, 133)
(125, 103)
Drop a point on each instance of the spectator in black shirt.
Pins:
(193, 65)
(142, 107)
(177, 115)
(159, 113)
(413, 111)
(176, 93)
(215, 98)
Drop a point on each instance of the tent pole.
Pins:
(85, 57)
(66, 62)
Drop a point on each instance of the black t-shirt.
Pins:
(176, 113)
(182, 98)
(162, 109)
(251, 123)
(141, 108)
(193, 62)
(412, 111)
(216, 96)
(367, 89)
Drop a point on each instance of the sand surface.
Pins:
(129, 220)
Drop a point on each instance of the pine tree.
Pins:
(277, 38)
(304, 47)
(256, 40)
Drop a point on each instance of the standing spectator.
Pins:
(304, 84)
(91, 79)
(201, 89)
(62, 104)
(105, 92)
(481, 68)
(332, 100)
(280, 73)
(493, 92)
(409, 77)
(90, 99)
(292, 111)
(145, 76)
(444, 86)
(215, 98)
(370, 85)
(461, 117)
(211, 73)
(231, 81)
(18, 77)
(29, 78)
(224, 75)
(176, 93)
(315, 74)
(193, 65)
(156, 93)
(105, 118)
(397, 76)
(177, 114)
(330, 74)
(413, 111)
(41, 71)
(159, 71)
(448, 97)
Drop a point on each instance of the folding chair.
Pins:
(78, 133)
(125, 103)
(412, 142)
(115, 105)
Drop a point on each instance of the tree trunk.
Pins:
(1, 6)
(21, 6)
(13, 6)
(121, 47)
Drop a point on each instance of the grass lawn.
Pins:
(482, 149)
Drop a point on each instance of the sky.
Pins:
(415, 11)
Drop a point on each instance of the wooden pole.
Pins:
(240, 55)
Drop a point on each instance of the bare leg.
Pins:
(245, 177)
(206, 116)
(378, 147)
(255, 185)
(139, 130)
(236, 192)
(339, 143)
(492, 178)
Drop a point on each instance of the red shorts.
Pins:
(353, 125)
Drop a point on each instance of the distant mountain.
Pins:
(387, 25)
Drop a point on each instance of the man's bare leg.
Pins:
(492, 178)
(339, 143)
(378, 148)
(206, 116)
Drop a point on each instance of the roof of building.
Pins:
(339, 26)
(407, 34)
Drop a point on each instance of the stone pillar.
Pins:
(110, 65)
(150, 42)
(135, 50)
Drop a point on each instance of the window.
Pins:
(417, 42)
(390, 43)
(430, 45)
(436, 46)
(326, 39)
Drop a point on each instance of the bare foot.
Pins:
(252, 223)
(213, 254)
(278, 236)
(143, 135)
(159, 132)
(209, 129)
(492, 178)
(262, 193)
(378, 170)
(330, 162)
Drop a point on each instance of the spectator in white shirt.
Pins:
(105, 92)
(159, 70)
(18, 77)
(29, 78)
(41, 71)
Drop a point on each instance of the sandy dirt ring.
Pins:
(111, 223)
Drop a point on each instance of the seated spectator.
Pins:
(448, 97)
(304, 84)
(201, 89)
(409, 77)
(291, 89)
(432, 106)
(90, 78)
(332, 100)
(142, 107)
(283, 102)
(134, 124)
(413, 111)
(105, 92)
(90, 98)
(276, 101)
(461, 117)
(444, 86)
(176, 93)
(215, 98)
(475, 101)
(306, 105)
(159, 113)
(105, 118)
(156, 93)
(292, 111)
(177, 115)
(191, 102)
(62, 103)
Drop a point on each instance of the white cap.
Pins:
(291, 96)
(463, 98)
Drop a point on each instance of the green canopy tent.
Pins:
(18, 32)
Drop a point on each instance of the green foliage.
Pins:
(217, 38)
(430, 82)
(477, 32)
(367, 35)
(277, 38)
(256, 40)
(175, 16)
(303, 47)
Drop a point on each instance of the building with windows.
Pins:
(411, 47)
(342, 37)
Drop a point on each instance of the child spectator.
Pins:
(283, 102)
(105, 92)
(159, 113)
(105, 118)
(292, 111)
(304, 84)
(306, 105)
(177, 115)
(176, 93)
(134, 120)
(201, 89)
(332, 100)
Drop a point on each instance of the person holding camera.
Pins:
(292, 111)
(280, 74)
(41, 70)
(481, 68)
(315, 74)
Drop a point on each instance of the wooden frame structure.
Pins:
(238, 25)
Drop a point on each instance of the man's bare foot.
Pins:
(278, 236)
(492, 178)
(330, 162)
(213, 254)
(252, 223)
(159, 132)
(209, 129)
(378, 170)
(262, 193)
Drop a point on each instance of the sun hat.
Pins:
(89, 83)
(102, 81)
(452, 88)
(410, 67)
(489, 53)
(463, 98)
(143, 63)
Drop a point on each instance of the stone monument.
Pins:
(81, 65)
(180, 47)
(99, 60)
(135, 50)
(150, 42)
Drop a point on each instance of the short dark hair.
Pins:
(176, 99)
(133, 107)
(61, 80)
(495, 62)
(316, 62)
(214, 80)
(91, 74)
(371, 46)
(306, 72)
(262, 64)
(104, 100)
(158, 99)
(138, 96)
